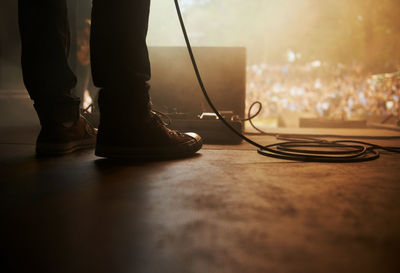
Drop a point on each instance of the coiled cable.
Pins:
(297, 147)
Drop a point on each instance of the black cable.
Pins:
(200, 81)
(322, 150)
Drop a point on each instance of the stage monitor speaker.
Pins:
(174, 87)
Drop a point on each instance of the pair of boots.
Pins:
(128, 128)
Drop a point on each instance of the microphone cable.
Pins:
(298, 147)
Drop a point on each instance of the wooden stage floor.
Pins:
(227, 209)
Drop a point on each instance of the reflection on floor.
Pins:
(225, 210)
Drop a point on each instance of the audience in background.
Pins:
(317, 90)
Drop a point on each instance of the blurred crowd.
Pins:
(317, 90)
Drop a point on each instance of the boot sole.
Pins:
(185, 149)
(58, 149)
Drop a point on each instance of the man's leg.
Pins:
(118, 42)
(45, 40)
(120, 66)
(48, 77)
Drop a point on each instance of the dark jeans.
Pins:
(118, 45)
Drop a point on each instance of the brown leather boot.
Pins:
(63, 130)
(129, 129)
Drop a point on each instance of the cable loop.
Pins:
(293, 148)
